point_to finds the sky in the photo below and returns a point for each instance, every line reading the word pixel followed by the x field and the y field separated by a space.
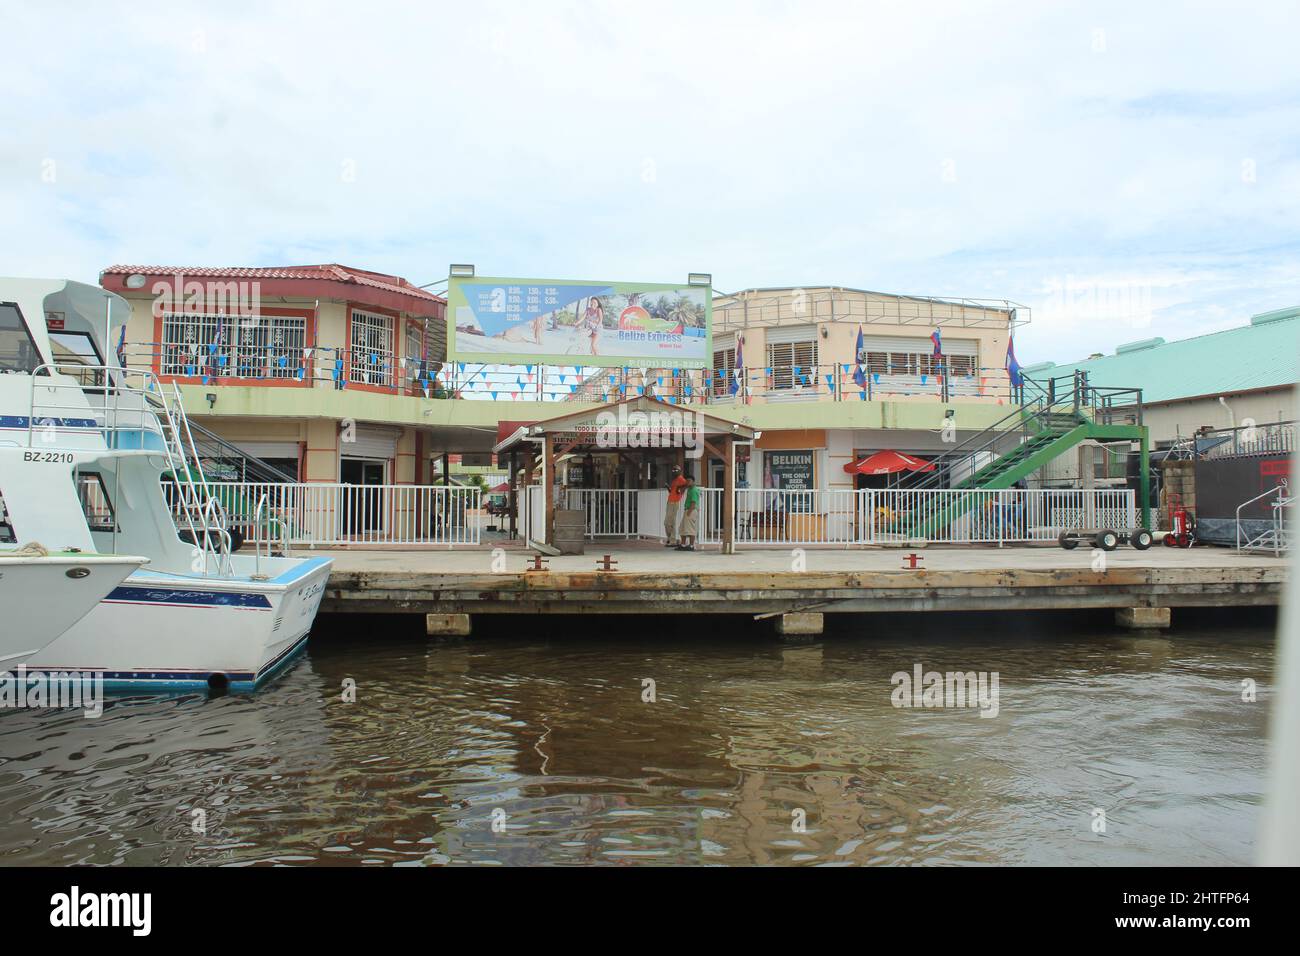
pixel 1123 170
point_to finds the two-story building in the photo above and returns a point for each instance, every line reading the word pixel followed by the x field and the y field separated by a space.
pixel 830 376
pixel 313 369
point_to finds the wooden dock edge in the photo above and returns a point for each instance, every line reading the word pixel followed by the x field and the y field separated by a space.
pixel 764 592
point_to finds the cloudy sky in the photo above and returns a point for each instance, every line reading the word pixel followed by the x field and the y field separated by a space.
pixel 1124 170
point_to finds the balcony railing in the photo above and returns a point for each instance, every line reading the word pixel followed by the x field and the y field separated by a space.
pixel 351 367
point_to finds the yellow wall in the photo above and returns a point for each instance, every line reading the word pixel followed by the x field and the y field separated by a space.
pixel 839 313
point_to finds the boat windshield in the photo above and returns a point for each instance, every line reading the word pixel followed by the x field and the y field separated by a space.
pixel 18 352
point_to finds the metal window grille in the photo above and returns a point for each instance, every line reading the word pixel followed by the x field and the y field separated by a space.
pixel 258 346
pixel 372 348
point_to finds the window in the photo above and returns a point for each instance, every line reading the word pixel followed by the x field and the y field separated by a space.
pixel 783 358
pixel 257 346
pixel 6 525
pixel 70 349
pixel 915 356
pixel 94 500
pixel 17 349
pixel 724 368
pixel 961 365
pixel 372 348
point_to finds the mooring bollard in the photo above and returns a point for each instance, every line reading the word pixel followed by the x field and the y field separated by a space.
pixel 539 564
pixel 607 563
pixel 912 560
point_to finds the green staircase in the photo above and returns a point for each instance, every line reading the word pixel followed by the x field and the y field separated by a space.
pixel 1054 420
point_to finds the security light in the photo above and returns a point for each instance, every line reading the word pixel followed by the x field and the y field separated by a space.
pixel 212 399
pixel 700 278
pixel 135 281
pixel 461 271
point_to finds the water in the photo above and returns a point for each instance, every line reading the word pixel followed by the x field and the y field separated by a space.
pixel 550 736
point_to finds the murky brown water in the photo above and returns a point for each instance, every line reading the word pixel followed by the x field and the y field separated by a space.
pixel 551 736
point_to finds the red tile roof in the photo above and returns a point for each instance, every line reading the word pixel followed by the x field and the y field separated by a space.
pixel 329 272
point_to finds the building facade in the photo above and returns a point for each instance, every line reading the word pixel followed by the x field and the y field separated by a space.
pixel 832 375
pixel 292 365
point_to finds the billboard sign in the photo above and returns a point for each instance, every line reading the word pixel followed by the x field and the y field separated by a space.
pixel 565 322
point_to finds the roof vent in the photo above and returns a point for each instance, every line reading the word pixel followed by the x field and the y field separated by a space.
pixel 1139 346
pixel 1095 355
pixel 1277 315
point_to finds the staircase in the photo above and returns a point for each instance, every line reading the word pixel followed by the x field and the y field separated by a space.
pixel 1057 433
pixel 208 444
pixel 1277 537
pixel 1054 417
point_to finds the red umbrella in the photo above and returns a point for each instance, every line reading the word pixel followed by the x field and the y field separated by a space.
pixel 887 462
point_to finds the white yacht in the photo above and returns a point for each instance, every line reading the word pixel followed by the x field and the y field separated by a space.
pixel 43 594
pixel 99 458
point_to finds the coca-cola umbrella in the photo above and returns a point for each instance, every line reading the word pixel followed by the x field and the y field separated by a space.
pixel 888 462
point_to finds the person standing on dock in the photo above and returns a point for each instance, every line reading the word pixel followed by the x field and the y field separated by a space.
pixel 676 488
pixel 690 516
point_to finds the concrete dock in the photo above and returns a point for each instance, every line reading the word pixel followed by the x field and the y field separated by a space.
pixel 655 580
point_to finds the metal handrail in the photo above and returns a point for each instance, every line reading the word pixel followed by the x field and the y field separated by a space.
pixel 155 414
pixel 263 508
pixel 989 437
pixel 1282 502
pixel 1046 399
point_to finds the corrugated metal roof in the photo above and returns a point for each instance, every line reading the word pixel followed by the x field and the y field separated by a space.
pixel 1265 354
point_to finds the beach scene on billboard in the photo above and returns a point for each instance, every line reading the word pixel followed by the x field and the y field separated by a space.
pixel 573 323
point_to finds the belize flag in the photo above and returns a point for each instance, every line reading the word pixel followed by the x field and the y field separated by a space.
pixel 734 387
pixel 1011 365
pixel 859 375
pixel 938 342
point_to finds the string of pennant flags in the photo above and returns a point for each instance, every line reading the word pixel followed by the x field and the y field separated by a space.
pixel 215 360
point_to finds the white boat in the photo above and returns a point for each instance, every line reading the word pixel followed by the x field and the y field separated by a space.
pixel 42 595
pixel 100 458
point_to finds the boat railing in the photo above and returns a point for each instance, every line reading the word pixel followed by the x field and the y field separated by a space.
pixel 263 518
pixel 122 403
pixel 131 410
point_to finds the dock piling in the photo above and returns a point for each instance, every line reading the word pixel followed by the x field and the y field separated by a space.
pixel 1142 618
pixel 800 624
pixel 447 625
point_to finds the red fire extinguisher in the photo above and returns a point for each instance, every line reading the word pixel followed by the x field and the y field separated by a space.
pixel 1182 532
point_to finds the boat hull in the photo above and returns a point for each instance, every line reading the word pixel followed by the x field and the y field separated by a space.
pixel 162 632
pixel 43 597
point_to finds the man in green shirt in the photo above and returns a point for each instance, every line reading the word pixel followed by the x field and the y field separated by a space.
pixel 690 516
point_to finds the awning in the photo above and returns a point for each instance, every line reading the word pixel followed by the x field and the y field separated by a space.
pixel 506 428
pixel 887 462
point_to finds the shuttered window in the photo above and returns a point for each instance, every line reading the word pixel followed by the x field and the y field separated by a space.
pixel 724 367
pixel 792 361
pixel 890 355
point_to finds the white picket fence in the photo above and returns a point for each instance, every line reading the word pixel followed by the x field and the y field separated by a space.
pixel 307 514
pixel 778 518
pixel 335 513
pixel 942 516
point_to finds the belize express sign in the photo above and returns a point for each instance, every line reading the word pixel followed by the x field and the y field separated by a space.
pixel 564 322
